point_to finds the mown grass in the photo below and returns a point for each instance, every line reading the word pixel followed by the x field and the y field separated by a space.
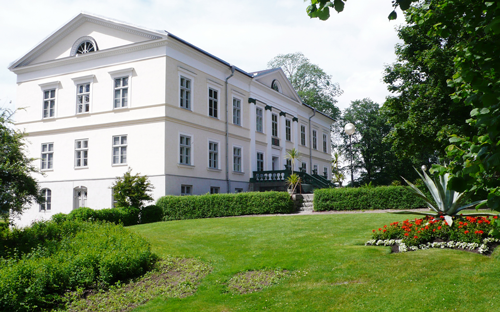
pixel 332 269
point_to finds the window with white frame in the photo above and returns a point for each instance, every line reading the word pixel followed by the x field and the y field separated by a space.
pixel 81 153
pixel 274 119
pixel 237 159
pixel 47 156
pixel 259 119
pixel 186 190
pixel 47 200
pixel 119 149
pixel 213 155
pixel 325 172
pixel 304 167
pixel 260 161
pixel 185 150
pixel 121 92
pixel 237 111
pixel 214 190
pixel 49 103
pixel 315 169
pixel 315 139
pixel 213 103
pixel 302 135
pixel 83 98
pixel 288 129
pixel 185 89
pixel 325 149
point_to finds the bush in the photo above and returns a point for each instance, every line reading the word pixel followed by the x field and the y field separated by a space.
pixel 125 216
pixel 66 257
pixel 151 214
pixel 384 197
pixel 221 205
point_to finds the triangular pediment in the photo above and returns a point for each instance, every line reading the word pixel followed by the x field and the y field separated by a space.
pixel 106 33
pixel 276 75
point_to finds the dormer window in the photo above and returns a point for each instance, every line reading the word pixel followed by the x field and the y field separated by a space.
pixel 84 45
pixel 275 85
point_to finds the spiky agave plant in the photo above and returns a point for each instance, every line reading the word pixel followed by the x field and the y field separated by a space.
pixel 446 202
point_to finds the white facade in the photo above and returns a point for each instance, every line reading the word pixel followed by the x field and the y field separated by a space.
pixel 150 101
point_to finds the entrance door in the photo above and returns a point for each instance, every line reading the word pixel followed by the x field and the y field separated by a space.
pixel 79 197
pixel 276 163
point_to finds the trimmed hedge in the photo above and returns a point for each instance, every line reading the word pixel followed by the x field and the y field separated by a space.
pixel 222 205
pixel 384 197
pixel 66 257
pixel 125 216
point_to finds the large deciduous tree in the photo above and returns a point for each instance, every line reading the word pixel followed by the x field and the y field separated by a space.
pixel 18 189
pixel 476 159
pixel 313 85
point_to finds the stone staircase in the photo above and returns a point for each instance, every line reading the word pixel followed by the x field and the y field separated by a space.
pixel 307 202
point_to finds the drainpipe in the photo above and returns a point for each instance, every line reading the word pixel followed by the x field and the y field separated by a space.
pixel 227 133
pixel 310 141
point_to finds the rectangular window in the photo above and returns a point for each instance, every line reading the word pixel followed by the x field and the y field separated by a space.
pixel 258 119
pixel 119 149
pixel 186 190
pixel 260 161
pixel 121 92
pixel 47 200
pixel 213 103
pixel 325 172
pixel 238 190
pixel 303 135
pixel 213 155
pixel 49 103
pixel 324 143
pixel 81 153
pixel 47 156
pixel 274 118
pixel 315 169
pixel 185 150
pixel 185 96
pixel 236 112
pixel 83 98
pixel 237 159
pixel 288 129
pixel 315 140
pixel 304 167
pixel 214 190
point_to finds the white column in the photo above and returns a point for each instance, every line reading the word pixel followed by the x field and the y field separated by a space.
pixel 253 151
pixel 282 135
pixel 295 138
pixel 269 138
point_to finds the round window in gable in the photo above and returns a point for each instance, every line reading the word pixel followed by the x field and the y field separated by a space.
pixel 84 45
pixel 275 85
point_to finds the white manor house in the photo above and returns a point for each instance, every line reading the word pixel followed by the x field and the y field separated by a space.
pixel 101 96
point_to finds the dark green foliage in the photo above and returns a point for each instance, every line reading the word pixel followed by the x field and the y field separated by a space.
pixel 132 190
pixel 221 205
pixel 18 189
pixel 66 256
pixel 151 214
pixel 366 198
pixel 125 216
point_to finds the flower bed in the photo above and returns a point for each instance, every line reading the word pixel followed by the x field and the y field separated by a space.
pixel 467 233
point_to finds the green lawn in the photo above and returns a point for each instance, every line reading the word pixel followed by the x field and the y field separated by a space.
pixel 337 272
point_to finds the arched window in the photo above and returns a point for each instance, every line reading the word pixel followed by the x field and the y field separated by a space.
pixel 84 45
pixel 79 197
pixel 275 85
pixel 47 200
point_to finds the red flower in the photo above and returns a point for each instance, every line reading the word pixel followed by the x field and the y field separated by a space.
pixel 466 232
pixel 379 229
pixel 415 236
pixel 385 231
pixel 433 230
pixel 373 231
pixel 460 223
pixel 495 217
pixel 439 227
pixel 385 226
pixel 406 234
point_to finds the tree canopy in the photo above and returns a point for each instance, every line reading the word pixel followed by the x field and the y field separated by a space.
pixel 132 190
pixel 18 189
pixel 313 85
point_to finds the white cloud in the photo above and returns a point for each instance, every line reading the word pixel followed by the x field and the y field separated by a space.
pixel 352 46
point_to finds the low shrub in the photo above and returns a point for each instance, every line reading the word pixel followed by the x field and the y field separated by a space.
pixel 125 216
pixel 65 257
pixel 221 205
pixel 151 214
pixel 384 197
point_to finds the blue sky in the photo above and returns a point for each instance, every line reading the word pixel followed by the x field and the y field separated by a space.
pixel 353 47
